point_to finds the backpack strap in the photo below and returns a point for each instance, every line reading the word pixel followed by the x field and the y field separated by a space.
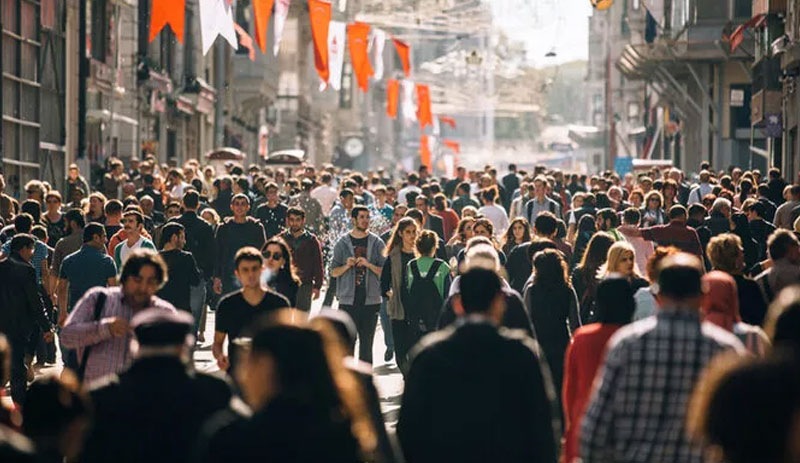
pixel 415 270
pixel 99 304
pixel 433 270
pixel 529 210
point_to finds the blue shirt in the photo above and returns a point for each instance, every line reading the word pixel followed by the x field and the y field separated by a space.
pixel 84 269
pixel 39 256
pixel 386 211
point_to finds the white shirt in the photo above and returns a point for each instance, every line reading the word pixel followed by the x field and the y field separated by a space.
pixel 642 249
pixel 401 195
pixel 124 250
pixel 326 195
pixel 176 192
pixel 497 215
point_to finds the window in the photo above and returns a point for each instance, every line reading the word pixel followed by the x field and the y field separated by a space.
pixel 98 29
pixel 243 19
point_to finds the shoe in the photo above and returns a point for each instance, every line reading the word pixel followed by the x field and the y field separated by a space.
pixel 389 355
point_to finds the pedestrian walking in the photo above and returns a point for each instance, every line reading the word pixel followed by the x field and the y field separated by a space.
pixel 133 225
pixel 356 264
pixel 272 214
pixel 307 257
pixel 232 235
pixel 182 270
pixel 281 273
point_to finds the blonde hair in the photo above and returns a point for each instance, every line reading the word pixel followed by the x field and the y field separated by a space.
pixel 615 255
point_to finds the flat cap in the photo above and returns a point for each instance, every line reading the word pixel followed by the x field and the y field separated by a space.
pixel 158 327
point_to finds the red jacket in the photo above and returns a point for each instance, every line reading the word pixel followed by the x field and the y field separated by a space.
pixel 583 359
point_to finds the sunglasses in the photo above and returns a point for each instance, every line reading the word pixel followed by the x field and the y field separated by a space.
pixel 30 192
pixel 274 256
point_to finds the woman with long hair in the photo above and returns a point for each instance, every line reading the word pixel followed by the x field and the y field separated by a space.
pixel 280 269
pixel 726 254
pixel 653 210
pixel 517 233
pixel 553 307
pixel 584 277
pixel 586 230
pixel 399 252
pixel 459 240
pixel 615 306
pixel 621 260
pixel 298 394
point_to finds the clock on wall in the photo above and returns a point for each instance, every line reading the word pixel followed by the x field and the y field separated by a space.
pixel 354 147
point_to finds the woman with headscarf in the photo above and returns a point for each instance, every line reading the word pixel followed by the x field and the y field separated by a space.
pixel 615 306
pixel 721 307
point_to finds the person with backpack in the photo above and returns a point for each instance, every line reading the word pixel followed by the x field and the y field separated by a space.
pixel 428 285
pixel 540 202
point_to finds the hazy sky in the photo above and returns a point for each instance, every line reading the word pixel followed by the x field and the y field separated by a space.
pixel 544 25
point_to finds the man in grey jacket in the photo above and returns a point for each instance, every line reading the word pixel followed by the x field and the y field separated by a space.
pixel 356 265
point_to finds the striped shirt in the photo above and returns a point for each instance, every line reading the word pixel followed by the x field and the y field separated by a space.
pixel 638 410
pixel 109 354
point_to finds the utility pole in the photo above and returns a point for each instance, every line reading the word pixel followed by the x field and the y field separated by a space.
pixel 83 76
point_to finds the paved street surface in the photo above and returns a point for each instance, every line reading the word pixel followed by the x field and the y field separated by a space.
pixel 388 379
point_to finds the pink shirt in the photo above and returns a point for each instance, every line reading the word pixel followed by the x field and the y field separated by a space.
pixel 109 355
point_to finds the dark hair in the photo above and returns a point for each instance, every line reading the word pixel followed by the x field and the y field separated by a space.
pixel 680 277
pixel 92 229
pixel 489 194
pixel 23 223
pixel 75 215
pixel 782 323
pixel 608 214
pixel 40 232
pixel 288 269
pixel 546 223
pixel 596 253
pixel 169 230
pixel 550 269
pixel 779 243
pixel 465 187
pixel 242 183
pixel 113 206
pixel 615 302
pixel 21 241
pixel 247 253
pixel 240 196
pixel 396 240
pixel 479 287
pixel 423 198
pixel 51 405
pixel 296 211
pixel 427 242
pixel 415 214
pixel 356 209
pixel 139 258
pixel 697 209
pixel 191 199
pixel 346 192
pixel 134 213
pixel 632 216
pixel 148 179
pixel 677 212
pixel 32 207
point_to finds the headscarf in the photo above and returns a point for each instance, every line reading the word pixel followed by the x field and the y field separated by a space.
pixel 721 302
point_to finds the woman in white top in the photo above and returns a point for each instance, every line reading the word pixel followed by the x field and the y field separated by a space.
pixel 496 214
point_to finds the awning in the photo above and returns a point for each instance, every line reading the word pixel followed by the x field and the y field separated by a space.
pixel 104 115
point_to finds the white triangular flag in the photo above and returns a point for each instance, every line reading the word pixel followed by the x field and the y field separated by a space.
pixel 409 108
pixel 378 42
pixel 336 49
pixel 281 13
pixel 216 18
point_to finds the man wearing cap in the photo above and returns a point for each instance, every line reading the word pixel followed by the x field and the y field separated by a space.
pixel 154 411
pixel 108 334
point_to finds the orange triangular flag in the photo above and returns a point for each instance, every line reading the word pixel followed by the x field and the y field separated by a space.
pixel 404 51
pixel 319 12
pixel 424 114
pixel 453 145
pixel 448 120
pixel 392 97
pixel 167 12
pixel 425 155
pixel 358 38
pixel 245 41
pixel 262 10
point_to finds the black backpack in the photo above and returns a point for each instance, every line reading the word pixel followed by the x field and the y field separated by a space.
pixel 424 303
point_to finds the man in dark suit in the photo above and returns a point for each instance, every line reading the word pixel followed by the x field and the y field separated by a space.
pixel 431 222
pixel 21 308
pixel 476 393
pixel 510 184
pixel 154 411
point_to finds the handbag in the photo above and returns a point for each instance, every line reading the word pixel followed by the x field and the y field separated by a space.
pixel 98 310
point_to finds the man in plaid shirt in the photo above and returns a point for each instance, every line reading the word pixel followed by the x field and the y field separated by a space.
pixel 638 410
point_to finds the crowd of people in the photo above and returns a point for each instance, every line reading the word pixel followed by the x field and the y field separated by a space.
pixel 535 316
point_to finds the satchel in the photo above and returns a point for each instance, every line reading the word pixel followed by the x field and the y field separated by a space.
pixel 98 310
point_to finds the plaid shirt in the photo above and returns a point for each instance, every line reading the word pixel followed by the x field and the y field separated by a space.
pixel 638 409
pixel 109 355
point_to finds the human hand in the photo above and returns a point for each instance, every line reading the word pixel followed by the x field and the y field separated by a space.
pixel 217 286
pixel 315 293
pixel 362 262
pixel 118 326
pixel 48 336
pixel 223 363
pixel 351 262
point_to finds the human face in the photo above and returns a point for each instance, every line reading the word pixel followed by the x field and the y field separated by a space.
pixel 131 226
pixel 481 230
pixel 73 174
pixel 208 217
pixel 173 211
pixel 275 259
pixel 348 201
pixel 468 231
pixel 362 221
pixel 249 273
pixel 653 203
pixel 409 236
pixel 538 189
pixel 26 253
pixel 140 289
pixel 421 204
pixel 180 240
pixel 295 223
pixel 95 206
pixel 147 206
pixel 240 208
pixel 625 264
pixel 272 194
pixel 519 232
pixel 53 204
pixel 636 200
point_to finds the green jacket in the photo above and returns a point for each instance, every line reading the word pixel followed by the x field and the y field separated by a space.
pixel 441 280
pixel 146 244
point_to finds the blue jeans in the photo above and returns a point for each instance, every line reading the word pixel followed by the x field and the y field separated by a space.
pixel 386 326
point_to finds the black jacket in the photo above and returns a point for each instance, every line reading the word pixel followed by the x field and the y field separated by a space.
pixel 153 413
pixel 478 394
pixel 515 317
pixel 21 307
pixel 436 225
pixel 199 241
